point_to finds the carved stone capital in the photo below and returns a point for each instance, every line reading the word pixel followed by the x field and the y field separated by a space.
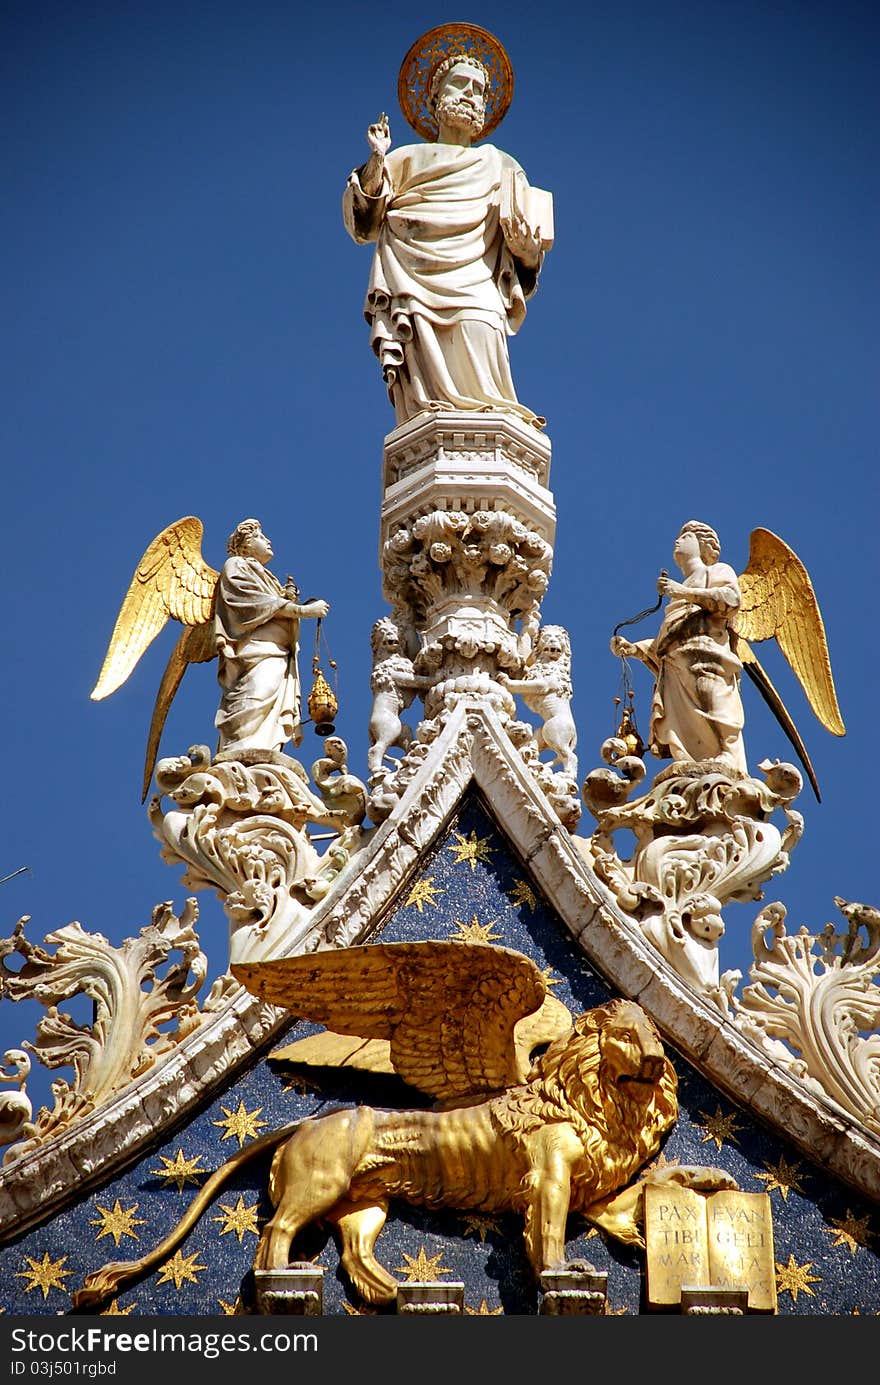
pixel 466 541
pixel 472 462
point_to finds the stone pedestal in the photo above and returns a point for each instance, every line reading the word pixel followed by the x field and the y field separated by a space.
pixel 466 546
pixel 297 1290
pixel 431 1297
pixel 467 462
pixel 574 1291
pixel 698 1301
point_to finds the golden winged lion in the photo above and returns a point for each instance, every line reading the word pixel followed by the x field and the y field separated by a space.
pixel 566 1129
pixel 711 621
pixel 240 615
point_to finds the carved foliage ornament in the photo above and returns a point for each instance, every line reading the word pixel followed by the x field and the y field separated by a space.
pixel 814 1005
pixel 139 1015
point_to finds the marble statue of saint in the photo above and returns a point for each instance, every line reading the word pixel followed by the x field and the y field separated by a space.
pixel 458 251
pixel 256 625
pixel 711 619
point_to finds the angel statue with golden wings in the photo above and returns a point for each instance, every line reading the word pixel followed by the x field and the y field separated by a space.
pixel 242 615
pixel 703 645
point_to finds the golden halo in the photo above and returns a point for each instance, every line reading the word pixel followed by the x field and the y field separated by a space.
pixel 421 62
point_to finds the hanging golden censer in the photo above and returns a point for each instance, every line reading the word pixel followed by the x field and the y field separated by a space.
pixel 323 703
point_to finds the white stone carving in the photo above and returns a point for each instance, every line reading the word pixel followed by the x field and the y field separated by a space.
pixel 454 262
pixel 15 1107
pixel 464 582
pixel 813 1005
pixel 393 683
pixel 257 632
pixel 697 711
pixel 131 1001
pixel 482 461
pixel 242 616
pixel 238 825
pixel 703 839
pixel 545 688
pixel 704 643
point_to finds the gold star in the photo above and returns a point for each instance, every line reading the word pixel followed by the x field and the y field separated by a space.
pixel 114 1311
pixel 238 1219
pixel 470 849
pixel 423 892
pixel 852 1231
pixel 181 1170
pixel 795 1279
pixel 117 1221
pixel 44 1274
pixel 719 1127
pixel 784 1176
pixel 180 1268
pixel 614 1312
pixel 589 1230
pixel 474 932
pixel 523 893
pixel 422 1269
pixel 229 1309
pixel 549 979
pixel 661 1162
pixel 484 1311
pixel 241 1124
pixel 480 1226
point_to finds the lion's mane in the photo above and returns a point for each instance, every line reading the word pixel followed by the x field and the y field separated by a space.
pixel 619 1128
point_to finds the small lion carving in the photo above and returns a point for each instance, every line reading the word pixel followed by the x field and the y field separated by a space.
pixel 571 1137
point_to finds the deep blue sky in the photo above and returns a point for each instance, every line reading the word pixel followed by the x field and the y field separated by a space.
pixel 183 334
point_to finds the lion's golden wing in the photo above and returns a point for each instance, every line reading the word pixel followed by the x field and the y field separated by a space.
pixel 172 580
pixel 448 1010
pixel 778 602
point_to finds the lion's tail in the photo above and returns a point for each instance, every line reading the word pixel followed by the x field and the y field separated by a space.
pixel 104 1283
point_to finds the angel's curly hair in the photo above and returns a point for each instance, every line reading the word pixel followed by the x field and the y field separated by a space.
pixel 238 539
pixel 706 537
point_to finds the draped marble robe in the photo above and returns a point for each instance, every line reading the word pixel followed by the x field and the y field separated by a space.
pixel 697 711
pixel 260 703
pixel 445 292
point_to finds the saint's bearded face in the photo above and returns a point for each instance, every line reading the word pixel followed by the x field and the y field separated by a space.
pixel 461 100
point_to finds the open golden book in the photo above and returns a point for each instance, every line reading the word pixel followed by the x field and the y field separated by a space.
pixel 534 205
pixel 721 1240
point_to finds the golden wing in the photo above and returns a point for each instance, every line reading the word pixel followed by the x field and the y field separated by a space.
pixel 448 1010
pixel 172 580
pixel 331 1050
pixel 778 602
pixel 196 645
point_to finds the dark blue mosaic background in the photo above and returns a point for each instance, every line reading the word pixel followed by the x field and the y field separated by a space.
pixel 825 1235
